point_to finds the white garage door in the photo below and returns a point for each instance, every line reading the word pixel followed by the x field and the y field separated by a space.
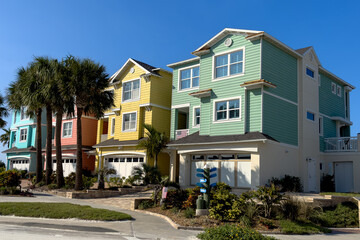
pixel 22 164
pixel 344 178
pixel 124 165
pixel 69 166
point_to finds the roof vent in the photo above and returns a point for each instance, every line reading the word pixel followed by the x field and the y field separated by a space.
pixel 228 42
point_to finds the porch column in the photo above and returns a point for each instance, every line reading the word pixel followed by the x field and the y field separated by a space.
pixel 184 175
pixel 173 169
pixel 255 171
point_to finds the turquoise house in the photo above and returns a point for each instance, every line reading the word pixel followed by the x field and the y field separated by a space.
pixel 255 108
pixel 21 154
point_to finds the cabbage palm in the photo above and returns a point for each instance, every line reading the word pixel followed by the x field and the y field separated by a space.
pixel 5 137
pixel 3 113
pixel 87 82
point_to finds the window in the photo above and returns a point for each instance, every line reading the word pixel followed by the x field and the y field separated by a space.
pixel 131 90
pixel 227 110
pixel 196 117
pixel 129 122
pixel 310 116
pixel 338 91
pixel 333 88
pixel 23 134
pixel 321 126
pixel 189 78
pixel 310 72
pixel 112 126
pixel 67 129
pixel 23 115
pixel 229 64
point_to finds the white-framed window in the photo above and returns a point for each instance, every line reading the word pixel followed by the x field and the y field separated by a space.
pixel 229 64
pixel 129 121
pixel 333 88
pixel 338 91
pixel 310 116
pixel 189 78
pixel 112 132
pixel 23 115
pixel 227 110
pixel 23 134
pixel 310 72
pixel 321 126
pixel 131 90
pixel 196 120
pixel 67 129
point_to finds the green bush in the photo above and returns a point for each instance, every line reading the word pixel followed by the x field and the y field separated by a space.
pixel 251 208
pixel 146 204
pixel 189 213
pixel 227 231
pixel 193 195
pixel 269 196
pixel 290 208
pixel 343 215
pixel 327 183
pixel 88 182
pixel 115 182
pixel 221 203
pixel 70 181
pixel 10 178
pixel 52 186
pixel 9 190
pixel 288 184
pixel 175 210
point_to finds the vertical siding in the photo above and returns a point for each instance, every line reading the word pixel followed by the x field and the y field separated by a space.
pixel 279 68
pixel 280 120
pixel 253 110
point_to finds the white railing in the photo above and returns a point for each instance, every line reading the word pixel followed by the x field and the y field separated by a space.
pixel 104 137
pixel 181 133
pixel 341 144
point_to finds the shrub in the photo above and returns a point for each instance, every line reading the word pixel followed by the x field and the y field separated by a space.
pixel 176 198
pixel 115 182
pixel 147 174
pixel 70 180
pixel 88 182
pixel 189 213
pixel 251 208
pixel 222 202
pixel 290 208
pixel 193 195
pixel 9 190
pixel 327 183
pixel 146 204
pixel 175 210
pixel 52 186
pixel 288 184
pixel 269 196
pixel 10 178
pixel 231 232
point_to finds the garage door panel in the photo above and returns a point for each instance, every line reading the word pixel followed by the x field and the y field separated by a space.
pixel 228 173
pixel 244 174
pixel 194 166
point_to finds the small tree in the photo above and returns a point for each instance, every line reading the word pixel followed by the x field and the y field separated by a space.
pixel 269 196
pixel 147 174
pixel 103 173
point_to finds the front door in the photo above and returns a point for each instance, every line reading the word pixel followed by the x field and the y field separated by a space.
pixel 311 175
pixel 344 178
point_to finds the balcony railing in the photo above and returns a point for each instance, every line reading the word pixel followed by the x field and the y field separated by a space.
pixel 341 144
pixel 181 133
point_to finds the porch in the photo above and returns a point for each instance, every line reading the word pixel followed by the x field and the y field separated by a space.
pixel 342 144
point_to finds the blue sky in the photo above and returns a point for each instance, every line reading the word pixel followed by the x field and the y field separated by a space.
pixel 163 32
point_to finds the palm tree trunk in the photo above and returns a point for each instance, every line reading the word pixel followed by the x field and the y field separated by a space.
pixel 78 182
pixel 39 162
pixel 155 163
pixel 48 144
pixel 59 168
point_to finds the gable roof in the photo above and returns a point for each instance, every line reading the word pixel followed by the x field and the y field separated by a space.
pixel 303 50
pixel 144 66
pixel 197 139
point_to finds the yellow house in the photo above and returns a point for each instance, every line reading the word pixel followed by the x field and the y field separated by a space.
pixel 142 95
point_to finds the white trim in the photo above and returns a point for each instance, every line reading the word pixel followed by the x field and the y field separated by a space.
pixel 171 65
pixel 26 117
pixel 281 98
pixel 66 155
pixel 227 110
pixel 62 132
pixel 335 77
pixel 337 90
pixel 27 134
pixel 191 77
pixel 19 156
pixel 262 108
pixel 333 85
pixel 185 105
pixel 122 122
pixel 89 117
pixel 215 143
pixel 210 150
pixel 112 128
pixel 120 153
pixel 194 117
pixel 131 99
pixel 116 74
pixel 228 52
pixel 154 105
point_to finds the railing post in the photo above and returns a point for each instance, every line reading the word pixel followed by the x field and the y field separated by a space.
pixel 358 142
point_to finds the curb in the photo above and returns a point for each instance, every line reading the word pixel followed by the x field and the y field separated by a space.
pixel 172 223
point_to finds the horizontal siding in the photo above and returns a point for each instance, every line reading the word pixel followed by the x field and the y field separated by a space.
pixel 161 88
pixel 253 110
pixel 328 131
pixel 280 120
pixel 279 68
pixel 161 120
pixel 330 104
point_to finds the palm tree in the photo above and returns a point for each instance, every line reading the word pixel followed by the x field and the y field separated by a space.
pixel 88 81
pixel 5 138
pixel 24 92
pixel 154 144
pixel 3 113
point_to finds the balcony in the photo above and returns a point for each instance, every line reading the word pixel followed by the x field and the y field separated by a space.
pixel 181 133
pixel 341 144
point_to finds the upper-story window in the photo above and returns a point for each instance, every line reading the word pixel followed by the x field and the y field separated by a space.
pixel 333 88
pixel 189 78
pixel 112 127
pixel 67 129
pixel 310 116
pixel 131 90
pixel 196 116
pixel 129 121
pixel 338 91
pixel 310 72
pixel 229 64
pixel 23 115
pixel 23 134
pixel 227 110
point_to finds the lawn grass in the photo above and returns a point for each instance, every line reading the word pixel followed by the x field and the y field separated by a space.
pixel 290 227
pixel 341 194
pixel 60 211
